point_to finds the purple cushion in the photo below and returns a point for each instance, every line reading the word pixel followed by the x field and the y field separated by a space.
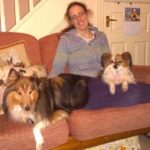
pixel 100 96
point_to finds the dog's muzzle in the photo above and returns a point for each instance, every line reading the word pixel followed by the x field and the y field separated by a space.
pixel 27 108
pixel 115 66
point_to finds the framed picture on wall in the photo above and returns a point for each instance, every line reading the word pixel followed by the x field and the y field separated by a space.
pixel 128 1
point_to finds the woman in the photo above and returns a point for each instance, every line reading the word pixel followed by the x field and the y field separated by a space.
pixel 81 47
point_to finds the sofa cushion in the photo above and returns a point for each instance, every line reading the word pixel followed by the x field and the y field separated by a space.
pixel 89 124
pixel 20 136
pixel 14 52
pixel 31 44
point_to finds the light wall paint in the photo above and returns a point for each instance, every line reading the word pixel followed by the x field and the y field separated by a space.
pixel 48 17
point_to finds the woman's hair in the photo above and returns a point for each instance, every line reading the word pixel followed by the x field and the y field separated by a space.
pixel 67 16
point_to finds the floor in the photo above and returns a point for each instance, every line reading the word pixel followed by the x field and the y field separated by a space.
pixel 144 142
pixel 141 141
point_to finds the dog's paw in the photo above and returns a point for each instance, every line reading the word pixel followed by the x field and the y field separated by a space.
pixel 124 89
pixel 39 147
pixel 124 86
pixel 112 89
pixel 59 115
pixel 39 139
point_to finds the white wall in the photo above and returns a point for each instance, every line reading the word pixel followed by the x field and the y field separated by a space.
pixel 48 17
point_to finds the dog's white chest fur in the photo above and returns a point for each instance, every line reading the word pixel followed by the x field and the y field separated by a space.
pixel 117 76
pixel 121 75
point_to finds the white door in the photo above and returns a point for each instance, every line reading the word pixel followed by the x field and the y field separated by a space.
pixel 138 44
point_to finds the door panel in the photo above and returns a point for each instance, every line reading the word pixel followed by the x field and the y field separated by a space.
pixel 138 44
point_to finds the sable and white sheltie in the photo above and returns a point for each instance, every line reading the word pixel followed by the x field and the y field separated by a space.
pixel 117 70
pixel 43 101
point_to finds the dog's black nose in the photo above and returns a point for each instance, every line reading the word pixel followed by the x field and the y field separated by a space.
pixel 27 108
pixel 115 66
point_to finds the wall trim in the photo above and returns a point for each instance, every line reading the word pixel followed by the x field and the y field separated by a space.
pixel 27 16
pixel 2 18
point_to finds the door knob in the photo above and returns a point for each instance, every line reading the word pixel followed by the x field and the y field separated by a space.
pixel 108 19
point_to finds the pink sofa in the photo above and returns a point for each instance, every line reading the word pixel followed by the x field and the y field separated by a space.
pixel 85 128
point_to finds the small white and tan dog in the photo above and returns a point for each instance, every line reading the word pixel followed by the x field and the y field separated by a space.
pixel 117 70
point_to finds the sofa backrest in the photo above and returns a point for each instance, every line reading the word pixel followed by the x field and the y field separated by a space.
pixel 43 51
pixel 48 45
pixel 141 73
pixel 30 44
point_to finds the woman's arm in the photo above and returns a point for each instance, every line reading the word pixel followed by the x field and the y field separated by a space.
pixel 60 60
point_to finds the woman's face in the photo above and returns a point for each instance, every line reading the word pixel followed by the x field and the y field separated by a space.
pixel 78 18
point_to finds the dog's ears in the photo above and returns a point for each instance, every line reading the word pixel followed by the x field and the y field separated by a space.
pixel 104 59
pixel 12 77
pixel 127 56
pixel 13 74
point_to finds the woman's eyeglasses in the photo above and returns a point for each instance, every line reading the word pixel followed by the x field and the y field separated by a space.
pixel 79 15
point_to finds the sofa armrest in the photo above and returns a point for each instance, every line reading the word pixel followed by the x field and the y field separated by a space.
pixel 31 45
pixel 141 73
